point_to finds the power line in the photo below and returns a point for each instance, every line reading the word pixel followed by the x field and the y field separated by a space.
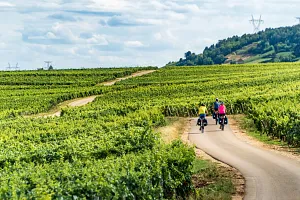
pixel 9 67
pixel 17 67
pixel 48 63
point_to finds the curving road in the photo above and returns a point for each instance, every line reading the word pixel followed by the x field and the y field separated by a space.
pixel 269 176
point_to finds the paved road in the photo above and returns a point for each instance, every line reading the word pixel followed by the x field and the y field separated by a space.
pixel 269 176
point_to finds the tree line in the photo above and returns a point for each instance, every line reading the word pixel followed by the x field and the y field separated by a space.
pixel 273 40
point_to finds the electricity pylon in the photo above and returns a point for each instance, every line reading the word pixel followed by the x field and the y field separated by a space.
pixel 298 19
pixel 256 23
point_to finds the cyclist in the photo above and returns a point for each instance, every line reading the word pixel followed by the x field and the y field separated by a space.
pixel 216 107
pixel 202 111
pixel 222 111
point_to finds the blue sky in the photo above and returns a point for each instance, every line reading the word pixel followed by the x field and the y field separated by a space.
pixel 114 33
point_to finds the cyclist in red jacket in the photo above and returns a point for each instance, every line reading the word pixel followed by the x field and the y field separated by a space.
pixel 222 111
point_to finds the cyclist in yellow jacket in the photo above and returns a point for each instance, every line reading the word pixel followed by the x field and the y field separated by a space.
pixel 202 111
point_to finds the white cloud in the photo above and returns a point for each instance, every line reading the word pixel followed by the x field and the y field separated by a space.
pixel 111 5
pixel 51 35
pixel 134 44
pixel 2 45
pixel 97 39
pixel 188 8
pixel 6 4
pixel 158 36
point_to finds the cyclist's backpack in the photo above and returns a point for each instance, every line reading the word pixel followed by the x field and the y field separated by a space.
pixel 220 120
pixel 226 120
pixel 205 122
pixel 199 122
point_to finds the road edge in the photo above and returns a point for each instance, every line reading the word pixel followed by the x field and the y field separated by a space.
pixel 238 179
pixel 242 135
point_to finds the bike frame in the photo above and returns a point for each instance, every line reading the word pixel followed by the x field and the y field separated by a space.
pixel 202 125
pixel 222 122
pixel 217 116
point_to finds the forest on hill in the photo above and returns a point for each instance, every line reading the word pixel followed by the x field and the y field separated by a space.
pixel 271 45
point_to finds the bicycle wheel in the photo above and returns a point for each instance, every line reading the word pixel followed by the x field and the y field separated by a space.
pixel 222 127
pixel 202 129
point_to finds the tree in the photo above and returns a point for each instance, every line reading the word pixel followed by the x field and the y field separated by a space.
pixel 188 54
pixel 208 61
pixel 297 50
pixel 219 59
pixel 190 63
pixel 199 60
pixel 271 41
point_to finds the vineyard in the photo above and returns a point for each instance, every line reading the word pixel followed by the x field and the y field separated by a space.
pixel 31 92
pixel 267 93
pixel 108 149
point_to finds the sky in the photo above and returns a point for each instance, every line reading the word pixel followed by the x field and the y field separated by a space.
pixel 120 33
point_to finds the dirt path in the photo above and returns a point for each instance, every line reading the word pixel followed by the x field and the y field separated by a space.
pixel 86 100
pixel 268 175
pixel 140 73
pixel 72 103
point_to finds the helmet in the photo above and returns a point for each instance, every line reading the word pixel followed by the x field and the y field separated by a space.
pixel 202 104
pixel 217 99
pixel 222 103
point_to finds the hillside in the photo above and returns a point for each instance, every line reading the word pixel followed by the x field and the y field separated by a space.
pixel 272 45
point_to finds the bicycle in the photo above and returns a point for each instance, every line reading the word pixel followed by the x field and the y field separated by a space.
pixel 222 121
pixel 202 122
pixel 215 116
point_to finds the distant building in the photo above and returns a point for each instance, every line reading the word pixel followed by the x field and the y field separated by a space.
pixel 240 61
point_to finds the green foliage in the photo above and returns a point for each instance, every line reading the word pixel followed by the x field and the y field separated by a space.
pixel 267 93
pixel 297 50
pixel 107 149
pixel 210 182
pixel 158 173
pixel 31 92
pixel 284 39
pixel 110 155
